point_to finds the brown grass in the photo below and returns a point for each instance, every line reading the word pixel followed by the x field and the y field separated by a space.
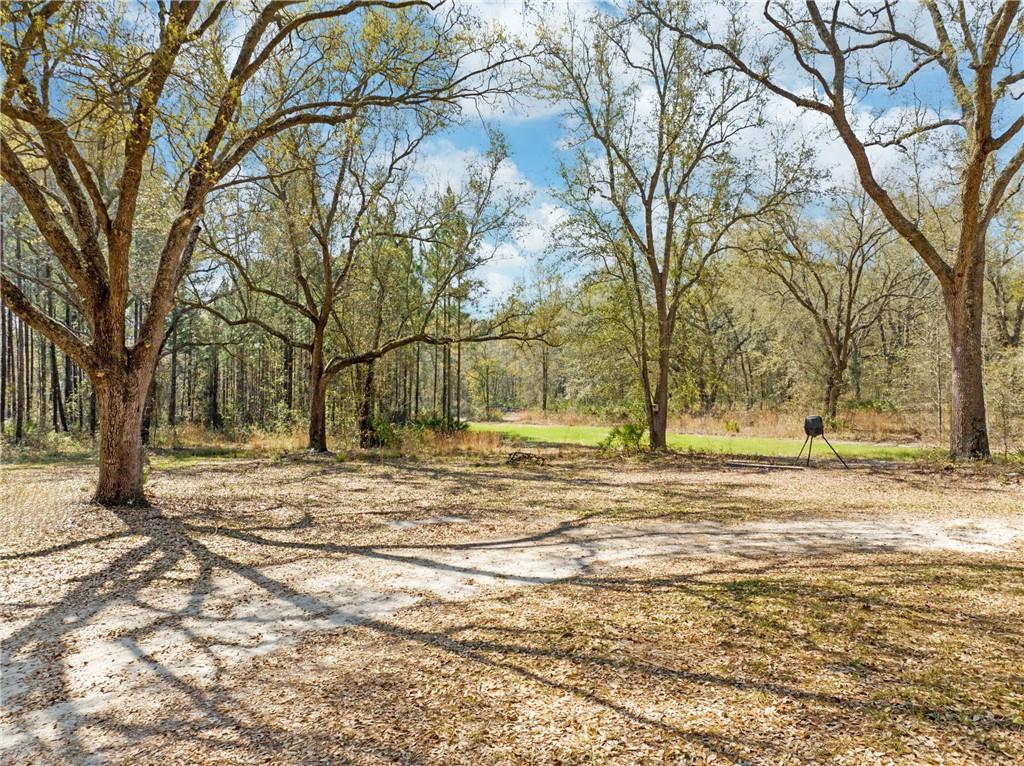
pixel 433 443
pixel 195 436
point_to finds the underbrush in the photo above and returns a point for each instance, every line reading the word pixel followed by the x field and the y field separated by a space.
pixel 424 438
pixel 422 442
pixel 201 441
pixel 627 437
pixel 38 447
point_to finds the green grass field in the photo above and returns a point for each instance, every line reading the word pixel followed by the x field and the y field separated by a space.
pixel 591 436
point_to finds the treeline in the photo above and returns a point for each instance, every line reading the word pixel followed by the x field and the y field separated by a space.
pixel 747 345
pixel 237 384
pixel 216 213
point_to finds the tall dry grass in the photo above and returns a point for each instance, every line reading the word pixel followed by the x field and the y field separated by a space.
pixel 194 436
pixel 918 428
pixel 426 443
pixel 862 425
pixel 410 441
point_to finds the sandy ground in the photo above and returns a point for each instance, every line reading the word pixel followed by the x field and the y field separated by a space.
pixel 107 615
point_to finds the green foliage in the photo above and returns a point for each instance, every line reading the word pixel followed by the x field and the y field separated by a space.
pixel 385 432
pixel 627 437
pixel 45 443
pixel 438 424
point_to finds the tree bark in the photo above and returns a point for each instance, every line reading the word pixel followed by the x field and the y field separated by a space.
pixel 317 395
pixel 544 378
pixel 120 404
pixel 657 411
pixel 833 390
pixel 968 428
pixel 317 415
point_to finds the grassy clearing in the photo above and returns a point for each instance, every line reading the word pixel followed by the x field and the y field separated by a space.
pixel 591 436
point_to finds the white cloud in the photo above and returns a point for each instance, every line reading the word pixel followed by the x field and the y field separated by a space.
pixel 520 23
pixel 505 255
pixel 540 224
pixel 498 284
pixel 441 163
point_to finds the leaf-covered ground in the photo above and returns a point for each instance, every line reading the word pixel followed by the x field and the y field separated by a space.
pixel 466 611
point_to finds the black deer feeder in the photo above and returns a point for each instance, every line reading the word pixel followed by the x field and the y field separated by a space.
pixel 815 426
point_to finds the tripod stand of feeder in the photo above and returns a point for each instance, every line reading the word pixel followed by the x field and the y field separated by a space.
pixel 814 425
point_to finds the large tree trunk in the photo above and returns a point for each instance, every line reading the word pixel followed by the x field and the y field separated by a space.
pixel 833 390
pixel 120 404
pixel 657 411
pixel 968 431
pixel 658 426
pixel 317 416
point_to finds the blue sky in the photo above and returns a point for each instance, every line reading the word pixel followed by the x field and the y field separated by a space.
pixel 533 142
pixel 534 134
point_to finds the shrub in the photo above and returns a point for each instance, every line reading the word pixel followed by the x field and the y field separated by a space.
pixel 437 423
pixel 385 433
pixel 627 437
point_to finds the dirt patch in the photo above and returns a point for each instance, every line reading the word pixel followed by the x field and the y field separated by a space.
pixel 153 615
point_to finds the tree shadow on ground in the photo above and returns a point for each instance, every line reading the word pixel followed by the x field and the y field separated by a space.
pixel 155 550
pixel 45 642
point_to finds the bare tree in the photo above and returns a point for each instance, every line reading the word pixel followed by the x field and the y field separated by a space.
pixel 852 54
pixel 344 293
pixel 656 186
pixel 99 104
pixel 843 272
pixel 719 331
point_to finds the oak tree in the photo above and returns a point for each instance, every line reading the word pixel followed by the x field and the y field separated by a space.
pixel 99 97
pixel 944 75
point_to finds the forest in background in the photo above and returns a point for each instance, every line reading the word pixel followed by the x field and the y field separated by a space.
pixel 754 353
pixel 704 271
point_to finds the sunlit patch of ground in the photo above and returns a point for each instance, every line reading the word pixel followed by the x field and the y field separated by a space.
pixel 467 611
